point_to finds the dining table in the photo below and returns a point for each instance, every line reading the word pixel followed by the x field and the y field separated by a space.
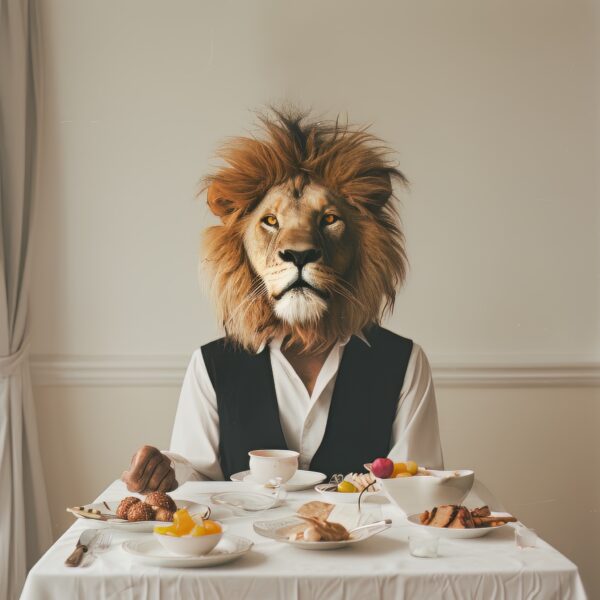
pixel 381 567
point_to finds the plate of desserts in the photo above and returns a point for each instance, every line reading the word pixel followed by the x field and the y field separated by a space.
pixel 348 489
pixel 142 513
pixel 459 522
pixel 322 526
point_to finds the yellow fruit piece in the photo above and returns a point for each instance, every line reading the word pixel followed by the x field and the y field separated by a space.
pixel 199 530
pixel 212 527
pixel 404 474
pixel 169 530
pixel 412 467
pixel 183 522
pixel 398 468
pixel 347 488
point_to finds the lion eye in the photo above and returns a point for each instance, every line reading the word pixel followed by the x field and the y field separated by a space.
pixel 330 219
pixel 270 220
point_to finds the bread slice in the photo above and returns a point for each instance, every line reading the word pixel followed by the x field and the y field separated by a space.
pixel 462 520
pixel 444 515
pixel 484 511
pixel 316 509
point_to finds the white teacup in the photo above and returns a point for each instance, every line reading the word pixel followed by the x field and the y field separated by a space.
pixel 268 464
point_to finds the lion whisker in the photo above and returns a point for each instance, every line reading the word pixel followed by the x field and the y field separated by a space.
pixel 255 292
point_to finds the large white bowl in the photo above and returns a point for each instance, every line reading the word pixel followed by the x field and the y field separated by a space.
pixel 189 545
pixel 423 492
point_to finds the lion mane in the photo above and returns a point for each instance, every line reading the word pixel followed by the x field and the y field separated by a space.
pixel 350 163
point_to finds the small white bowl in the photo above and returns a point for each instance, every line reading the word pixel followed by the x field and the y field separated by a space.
pixel 422 492
pixel 189 545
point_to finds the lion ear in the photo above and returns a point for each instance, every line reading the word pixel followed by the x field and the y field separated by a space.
pixel 218 203
pixel 372 189
pixel 381 188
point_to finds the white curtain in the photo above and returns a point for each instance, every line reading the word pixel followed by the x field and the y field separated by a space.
pixel 24 519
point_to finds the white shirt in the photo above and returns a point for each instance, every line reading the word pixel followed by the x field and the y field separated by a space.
pixel 194 448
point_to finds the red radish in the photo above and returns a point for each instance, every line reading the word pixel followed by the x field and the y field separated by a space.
pixel 382 467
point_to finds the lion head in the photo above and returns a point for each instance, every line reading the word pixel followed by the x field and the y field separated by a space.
pixel 309 246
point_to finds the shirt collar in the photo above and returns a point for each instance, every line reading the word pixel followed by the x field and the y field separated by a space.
pixel 275 343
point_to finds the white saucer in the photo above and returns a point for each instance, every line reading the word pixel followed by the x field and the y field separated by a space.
pixel 193 508
pixel 457 534
pixel 272 529
pixel 302 480
pixel 150 552
pixel 248 501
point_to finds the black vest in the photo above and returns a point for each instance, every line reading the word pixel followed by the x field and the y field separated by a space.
pixel 363 406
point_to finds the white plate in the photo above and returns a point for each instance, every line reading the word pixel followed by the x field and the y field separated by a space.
pixel 150 552
pixel 457 534
pixel 272 529
pixel 341 497
pixel 302 480
pixel 193 508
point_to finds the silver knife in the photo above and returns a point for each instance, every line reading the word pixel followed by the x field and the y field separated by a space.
pixel 84 542
pixel 88 513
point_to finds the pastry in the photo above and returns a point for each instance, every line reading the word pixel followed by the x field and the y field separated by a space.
pixel 125 505
pixel 326 531
pixel 316 527
pixel 140 511
pixel 311 509
pixel 160 500
pixel 361 481
pixel 164 514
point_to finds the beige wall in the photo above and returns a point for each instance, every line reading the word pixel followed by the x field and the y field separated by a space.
pixel 490 105
pixel 494 110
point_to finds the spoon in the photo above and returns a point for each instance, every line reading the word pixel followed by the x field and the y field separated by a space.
pixel 384 524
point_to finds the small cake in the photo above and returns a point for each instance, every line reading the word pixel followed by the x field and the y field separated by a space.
pixel 125 505
pixel 164 514
pixel 140 511
pixel 160 500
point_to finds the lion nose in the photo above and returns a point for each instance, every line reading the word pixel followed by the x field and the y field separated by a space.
pixel 300 257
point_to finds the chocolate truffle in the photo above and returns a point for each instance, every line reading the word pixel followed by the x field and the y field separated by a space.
pixel 125 505
pixel 164 514
pixel 160 500
pixel 140 511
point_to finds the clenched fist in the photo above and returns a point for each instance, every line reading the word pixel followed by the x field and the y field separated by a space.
pixel 149 471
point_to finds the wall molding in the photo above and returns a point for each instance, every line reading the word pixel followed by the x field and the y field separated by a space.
pixel 152 370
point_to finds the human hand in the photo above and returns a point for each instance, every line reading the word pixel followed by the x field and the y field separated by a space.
pixel 149 471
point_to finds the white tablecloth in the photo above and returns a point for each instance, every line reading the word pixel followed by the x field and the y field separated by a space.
pixel 381 567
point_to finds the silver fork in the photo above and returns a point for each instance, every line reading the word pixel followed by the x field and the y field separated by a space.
pixel 102 544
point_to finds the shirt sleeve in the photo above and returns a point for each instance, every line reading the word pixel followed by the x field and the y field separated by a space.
pixel 194 450
pixel 415 432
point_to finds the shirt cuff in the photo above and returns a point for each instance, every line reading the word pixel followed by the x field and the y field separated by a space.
pixel 184 470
